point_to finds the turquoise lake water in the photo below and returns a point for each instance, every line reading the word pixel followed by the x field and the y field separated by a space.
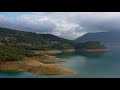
pixel 88 65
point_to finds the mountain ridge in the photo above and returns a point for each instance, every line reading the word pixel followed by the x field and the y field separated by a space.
pixel 32 40
pixel 104 37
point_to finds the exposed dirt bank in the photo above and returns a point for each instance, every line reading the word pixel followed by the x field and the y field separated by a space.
pixel 34 65
pixel 93 50
pixel 53 51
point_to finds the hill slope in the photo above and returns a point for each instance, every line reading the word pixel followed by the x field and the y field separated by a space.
pixel 104 37
pixel 30 40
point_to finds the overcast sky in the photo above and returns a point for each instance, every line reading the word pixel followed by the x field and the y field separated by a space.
pixel 69 25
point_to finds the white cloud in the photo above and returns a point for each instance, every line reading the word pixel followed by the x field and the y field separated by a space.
pixel 69 25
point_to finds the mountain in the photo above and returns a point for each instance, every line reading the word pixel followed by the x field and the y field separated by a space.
pixel 111 38
pixel 32 41
pixel 90 45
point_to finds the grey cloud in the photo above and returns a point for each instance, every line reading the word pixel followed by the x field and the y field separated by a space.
pixel 39 27
pixel 96 21
pixel 69 36
pixel 86 21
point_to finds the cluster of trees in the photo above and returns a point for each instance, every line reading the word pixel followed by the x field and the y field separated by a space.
pixel 16 44
pixel 33 41
pixel 90 45
pixel 8 53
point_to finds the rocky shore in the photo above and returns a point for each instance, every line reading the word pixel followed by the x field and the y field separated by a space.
pixel 37 65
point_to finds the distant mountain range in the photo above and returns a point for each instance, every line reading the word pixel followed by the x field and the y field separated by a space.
pixel 110 38
pixel 30 40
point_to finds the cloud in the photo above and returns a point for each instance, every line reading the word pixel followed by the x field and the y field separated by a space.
pixel 53 23
pixel 28 24
pixel 96 21
pixel 87 22
pixel 68 25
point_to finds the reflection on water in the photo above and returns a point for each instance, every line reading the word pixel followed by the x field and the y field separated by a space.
pixel 91 54
pixel 10 72
pixel 85 54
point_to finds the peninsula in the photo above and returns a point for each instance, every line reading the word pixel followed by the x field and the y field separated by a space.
pixel 90 46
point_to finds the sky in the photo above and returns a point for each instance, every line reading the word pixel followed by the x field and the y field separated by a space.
pixel 69 25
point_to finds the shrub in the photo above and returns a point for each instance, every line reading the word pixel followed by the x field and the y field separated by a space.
pixel 8 53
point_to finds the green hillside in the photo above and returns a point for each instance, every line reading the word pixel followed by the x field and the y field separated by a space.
pixel 32 41
pixel 8 53
pixel 90 45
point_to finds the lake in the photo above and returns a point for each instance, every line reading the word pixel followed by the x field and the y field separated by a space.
pixel 88 65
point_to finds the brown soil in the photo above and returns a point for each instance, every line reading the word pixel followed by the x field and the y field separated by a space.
pixel 46 58
pixel 47 52
pixel 34 65
pixel 68 50
pixel 53 51
pixel 94 50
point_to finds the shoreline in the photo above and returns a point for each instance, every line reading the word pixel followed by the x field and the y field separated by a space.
pixel 43 63
pixel 37 65
pixel 52 51
pixel 93 50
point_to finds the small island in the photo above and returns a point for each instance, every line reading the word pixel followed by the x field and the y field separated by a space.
pixel 90 46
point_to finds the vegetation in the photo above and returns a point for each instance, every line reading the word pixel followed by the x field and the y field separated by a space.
pixel 8 53
pixel 33 41
pixel 108 38
pixel 15 44
pixel 90 45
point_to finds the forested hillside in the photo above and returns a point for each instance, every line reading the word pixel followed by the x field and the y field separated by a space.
pixel 32 41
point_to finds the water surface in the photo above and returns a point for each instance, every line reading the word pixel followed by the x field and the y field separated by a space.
pixel 88 65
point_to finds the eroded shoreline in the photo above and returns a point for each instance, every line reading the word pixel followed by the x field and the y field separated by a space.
pixel 37 65
pixel 93 50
